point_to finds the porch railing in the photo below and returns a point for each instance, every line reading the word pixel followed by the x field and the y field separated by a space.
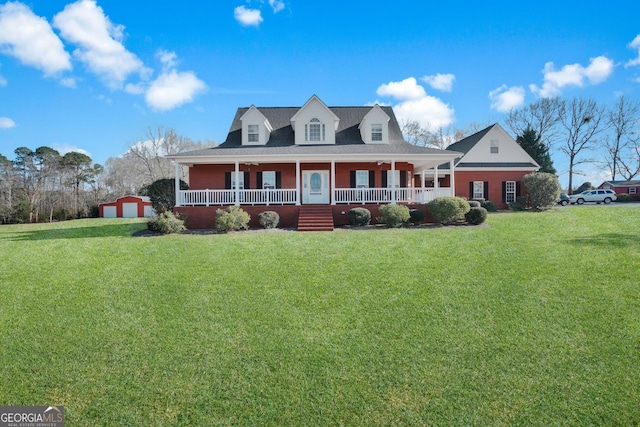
pixel 287 196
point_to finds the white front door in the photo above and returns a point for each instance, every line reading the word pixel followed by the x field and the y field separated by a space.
pixel 315 187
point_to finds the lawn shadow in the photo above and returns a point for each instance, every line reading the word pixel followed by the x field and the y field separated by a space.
pixel 620 240
pixel 106 230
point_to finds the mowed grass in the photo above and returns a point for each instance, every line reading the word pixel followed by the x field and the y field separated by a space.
pixel 533 319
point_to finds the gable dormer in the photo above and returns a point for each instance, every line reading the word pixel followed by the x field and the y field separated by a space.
pixel 256 129
pixel 496 146
pixel 314 123
pixel 374 128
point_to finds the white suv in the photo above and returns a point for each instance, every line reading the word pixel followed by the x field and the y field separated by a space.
pixel 597 196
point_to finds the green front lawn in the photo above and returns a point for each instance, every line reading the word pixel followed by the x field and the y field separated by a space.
pixel 533 319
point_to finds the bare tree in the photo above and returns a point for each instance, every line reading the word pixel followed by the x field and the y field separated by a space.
pixel 441 137
pixel 543 116
pixel 581 122
pixel 623 120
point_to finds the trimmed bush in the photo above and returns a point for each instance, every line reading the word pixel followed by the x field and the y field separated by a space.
pixel 474 204
pixel 476 216
pixel 232 219
pixel 543 190
pixel 489 206
pixel 167 223
pixel 394 215
pixel 359 217
pixel 269 219
pixel 448 210
pixel 624 198
pixel 162 193
pixel 416 216
pixel 519 205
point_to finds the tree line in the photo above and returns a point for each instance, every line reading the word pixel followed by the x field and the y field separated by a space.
pixel 43 185
pixel 581 130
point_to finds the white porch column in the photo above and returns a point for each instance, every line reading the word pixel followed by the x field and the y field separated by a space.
pixel 332 194
pixel 452 180
pixel 393 182
pixel 422 175
pixel 237 187
pixel 177 183
pixel 298 197
pixel 435 178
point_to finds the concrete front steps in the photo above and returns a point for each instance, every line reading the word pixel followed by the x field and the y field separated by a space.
pixel 315 218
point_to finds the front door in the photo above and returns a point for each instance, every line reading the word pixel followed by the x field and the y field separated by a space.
pixel 315 187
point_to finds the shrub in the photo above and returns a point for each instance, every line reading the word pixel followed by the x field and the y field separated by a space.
pixel 63 214
pixel 394 215
pixel 476 216
pixel 624 198
pixel 269 219
pixel 416 216
pixel 162 193
pixel 166 223
pixel 447 210
pixel 519 205
pixel 543 189
pixel 474 204
pixel 232 219
pixel 359 217
pixel 489 206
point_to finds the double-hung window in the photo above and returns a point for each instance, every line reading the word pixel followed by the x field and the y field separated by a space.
pixel 478 190
pixel 237 180
pixel 393 179
pixel 510 192
pixel 253 133
pixel 269 180
pixel 494 147
pixel 314 131
pixel 376 132
pixel 362 179
pixel 632 190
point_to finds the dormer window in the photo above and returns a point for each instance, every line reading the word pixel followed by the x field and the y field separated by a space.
pixel 314 131
pixel 253 133
pixel 494 147
pixel 376 132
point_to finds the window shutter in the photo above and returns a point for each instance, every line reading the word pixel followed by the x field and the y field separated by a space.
pixel 372 179
pixel 403 179
pixel 384 179
pixel 247 183
pixel 504 192
pixel 258 180
pixel 278 179
pixel 486 190
pixel 227 180
pixel 352 179
pixel 518 192
pixel 471 189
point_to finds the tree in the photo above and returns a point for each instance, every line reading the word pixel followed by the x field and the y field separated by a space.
pixel 163 194
pixel 581 121
pixel 542 188
pixel 533 145
pixel 80 170
pixel 584 186
pixel 622 146
pixel 543 116
pixel 7 175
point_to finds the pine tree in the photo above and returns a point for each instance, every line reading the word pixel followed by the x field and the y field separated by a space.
pixel 533 145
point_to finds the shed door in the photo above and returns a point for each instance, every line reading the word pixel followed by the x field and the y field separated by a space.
pixel 109 212
pixel 130 210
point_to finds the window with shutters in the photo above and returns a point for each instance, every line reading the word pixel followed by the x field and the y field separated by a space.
pixel 362 179
pixel 269 180
pixel 478 189
pixel 510 192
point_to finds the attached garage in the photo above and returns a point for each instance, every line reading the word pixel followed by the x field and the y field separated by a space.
pixel 127 207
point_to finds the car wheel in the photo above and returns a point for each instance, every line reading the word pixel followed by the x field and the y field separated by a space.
pixel 607 200
pixel 580 201
pixel 564 203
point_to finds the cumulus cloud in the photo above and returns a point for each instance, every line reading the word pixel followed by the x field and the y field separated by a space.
pixel 99 42
pixel 30 39
pixel 505 98
pixel 443 82
pixel 276 5
pixel 415 105
pixel 248 17
pixel 67 148
pixel 6 123
pixel 172 89
pixel 168 59
pixel 635 44
pixel 598 70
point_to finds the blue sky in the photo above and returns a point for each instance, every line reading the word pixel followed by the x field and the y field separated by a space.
pixel 95 75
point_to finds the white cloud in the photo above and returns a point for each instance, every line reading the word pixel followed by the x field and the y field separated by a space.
pixel 402 90
pixel 247 17
pixel 635 44
pixel 415 105
pixel 276 5
pixel 99 42
pixel 599 69
pixel 68 82
pixel 172 89
pixel 443 82
pixel 67 148
pixel 505 98
pixel 31 40
pixel 3 81
pixel 168 59
pixel 6 123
